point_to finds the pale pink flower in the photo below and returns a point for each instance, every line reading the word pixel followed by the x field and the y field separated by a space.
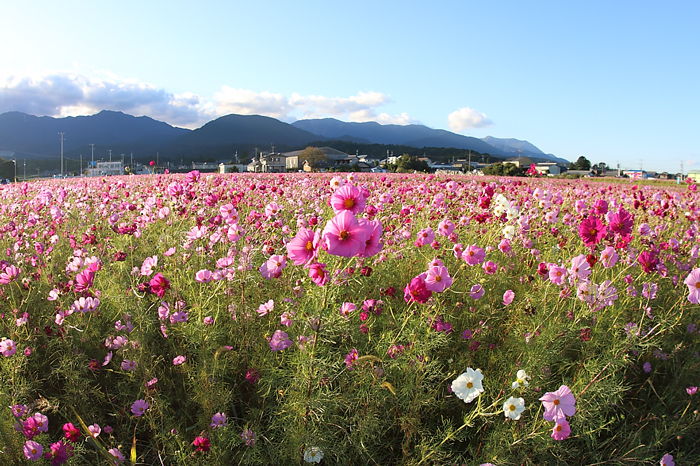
pixel 508 297
pixel 437 279
pixel 148 265
pixel 558 405
pixel 266 308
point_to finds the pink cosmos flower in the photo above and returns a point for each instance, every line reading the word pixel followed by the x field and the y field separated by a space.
pixel 490 267
pixel 373 244
pixel 148 265
pixel 178 360
pixel 33 450
pixel 559 404
pixel 477 291
pixel 139 407
pixel 344 236
pixel 348 198
pixel 346 309
pixel 667 460
pixel 84 280
pixel 437 279
pixel 42 422
pixel 693 282
pixel 203 276
pixel 648 261
pixel 280 341
pixel 608 257
pixel 557 274
pixel 265 308
pixel 508 297
pixel 273 267
pixel 561 430
pixel 446 227
pixel 118 456
pixel 691 390
pixel 8 348
pixel 417 290
pixel 580 268
pixel 592 231
pixel 9 274
pixel 95 430
pixel 304 247
pixel 218 421
pixel 318 273
pixel 425 236
pixel 202 443
pixel 350 359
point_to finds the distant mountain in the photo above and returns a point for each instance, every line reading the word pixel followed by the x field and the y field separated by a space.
pixel 247 129
pixel 409 135
pixel 515 146
pixel 32 136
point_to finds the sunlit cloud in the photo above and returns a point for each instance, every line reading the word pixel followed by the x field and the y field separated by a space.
pixel 63 93
pixel 467 118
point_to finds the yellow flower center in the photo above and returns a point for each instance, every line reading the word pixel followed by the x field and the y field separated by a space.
pixel 512 407
pixel 309 246
pixel 438 278
pixel 470 385
pixel 558 428
pixel 556 402
pixel 349 203
pixel 343 235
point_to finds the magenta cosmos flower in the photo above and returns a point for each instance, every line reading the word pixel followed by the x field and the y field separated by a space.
pixel 561 430
pixel 417 290
pixel 559 404
pixel 621 222
pixel 159 285
pixel 693 282
pixel 344 236
pixel 348 198
pixel 592 231
pixel 304 247
pixel 280 341
pixel 318 273
pixel 373 245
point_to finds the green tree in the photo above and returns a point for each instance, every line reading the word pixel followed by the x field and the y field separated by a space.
pixel 409 164
pixel 503 169
pixel 314 156
pixel 581 164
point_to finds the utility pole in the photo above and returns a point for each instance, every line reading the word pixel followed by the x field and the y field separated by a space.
pixel 81 164
pixel 157 158
pixel 25 169
pixel 131 164
pixel 470 161
pixel 110 155
pixel 61 153
pixel 92 164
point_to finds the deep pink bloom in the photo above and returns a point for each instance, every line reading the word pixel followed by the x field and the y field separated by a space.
pixel 30 428
pixel 490 267
pixel 159 285
pixel 179 360
pixel 559 404
pixel 344 236
pixel 561 430
pixel 84 280
pixel 648 261
pixel 592 231
pixel 437 279
pixel 304 247
pixel 318 273
pixel 252 376
pixel 59 453
pixel 202 443
pixel 71 432
pixel 691 390
pixel 348 198
pixel 417 291
pixel 425 236
pixel 621 222
pixel 350 359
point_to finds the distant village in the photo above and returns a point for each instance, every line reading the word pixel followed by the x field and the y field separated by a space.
pixel 335 160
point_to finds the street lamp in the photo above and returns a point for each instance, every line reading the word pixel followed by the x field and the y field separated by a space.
pixel 15 162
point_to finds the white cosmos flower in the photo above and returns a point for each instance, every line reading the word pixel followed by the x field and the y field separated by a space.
pixel 509 232
pixel 522 379
pixel 467 386
pixel 513 408
pixel 313 455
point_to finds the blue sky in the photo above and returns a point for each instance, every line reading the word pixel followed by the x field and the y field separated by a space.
pixel 610 80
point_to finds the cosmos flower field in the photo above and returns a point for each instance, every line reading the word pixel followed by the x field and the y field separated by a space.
pixel 364 319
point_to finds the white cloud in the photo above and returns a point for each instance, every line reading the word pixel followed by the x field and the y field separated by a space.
pixel 466 118
pixel 66 93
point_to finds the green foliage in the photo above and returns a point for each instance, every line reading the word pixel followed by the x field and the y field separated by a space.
pixel 581 164
pixel 503 169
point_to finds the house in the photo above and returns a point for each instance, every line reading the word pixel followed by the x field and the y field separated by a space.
pixel 334 157
pixel 694 175
pixel 106 169
pixel 548 168
pixel 636 174
pixel 272 162
pixel 520 162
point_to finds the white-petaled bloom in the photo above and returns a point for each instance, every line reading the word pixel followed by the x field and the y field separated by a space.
pixel 467 386
pixel 313 455
pixel 522 379
pixel 509 232
pixel 513 408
